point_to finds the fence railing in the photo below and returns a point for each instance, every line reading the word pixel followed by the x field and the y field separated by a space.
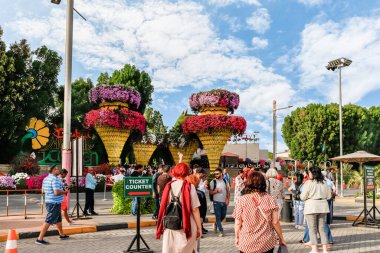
pixel 25 193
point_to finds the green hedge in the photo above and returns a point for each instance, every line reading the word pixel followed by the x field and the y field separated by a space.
pixel 123 205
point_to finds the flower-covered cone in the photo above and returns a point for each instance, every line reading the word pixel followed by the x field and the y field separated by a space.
pixel 114 140
pixel 188 151
pixel 143 152
pixel 213 142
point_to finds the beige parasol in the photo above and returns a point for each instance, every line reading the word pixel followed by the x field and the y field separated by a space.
pixel 363 157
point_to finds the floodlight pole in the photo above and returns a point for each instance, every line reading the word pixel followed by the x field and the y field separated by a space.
pixel 340 130
pixel 66 149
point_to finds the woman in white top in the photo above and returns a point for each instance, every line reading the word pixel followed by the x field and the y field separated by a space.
pixel 315 193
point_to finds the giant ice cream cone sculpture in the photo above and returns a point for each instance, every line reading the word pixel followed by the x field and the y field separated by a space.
pixel 114 121
pixel 214 127
pixel 187 150
pixel 143 152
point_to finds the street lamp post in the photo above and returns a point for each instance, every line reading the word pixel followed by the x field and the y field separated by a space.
pixel 275 109
pixel 248 138
pixel 333 65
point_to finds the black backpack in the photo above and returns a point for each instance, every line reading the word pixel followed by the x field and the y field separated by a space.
pixel 297 193
pixel 173 213
pixel 214 181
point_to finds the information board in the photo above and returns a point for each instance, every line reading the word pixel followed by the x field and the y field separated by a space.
pixel 138 187
pixel 370 176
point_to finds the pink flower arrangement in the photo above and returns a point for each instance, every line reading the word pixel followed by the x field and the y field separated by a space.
pixel 214 98
pixel 35 182
pixel 124 118
pixel 103 93
pixel 204 123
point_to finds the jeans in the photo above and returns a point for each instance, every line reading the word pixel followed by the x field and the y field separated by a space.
pixel 157 202
pixel 330 214
pixel 306 237
pixel 134 206
pixel 220 209
pixel 298 212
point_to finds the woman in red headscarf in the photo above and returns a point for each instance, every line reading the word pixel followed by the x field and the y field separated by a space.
pixel 184 240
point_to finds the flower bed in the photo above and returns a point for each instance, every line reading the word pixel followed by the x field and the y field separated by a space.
pixel 205 123
pixel 103 93
pixel 123 118
pixel 7 183
pixel 214 98
pixel 36 181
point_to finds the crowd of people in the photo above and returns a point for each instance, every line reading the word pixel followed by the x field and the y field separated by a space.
pixel 180 197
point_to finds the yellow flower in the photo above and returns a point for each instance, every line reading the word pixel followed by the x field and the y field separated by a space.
pixel 40 133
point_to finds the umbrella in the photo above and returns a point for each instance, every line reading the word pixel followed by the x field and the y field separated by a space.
pixel 357 157
pixel 362 157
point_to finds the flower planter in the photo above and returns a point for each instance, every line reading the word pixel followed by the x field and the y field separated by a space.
pixel 116 105
pixel 214 142
pixel 214 110
pixel 114 140
pixel 143 152
pixel 188 151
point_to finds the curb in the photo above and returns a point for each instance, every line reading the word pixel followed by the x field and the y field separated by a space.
pixel 113 226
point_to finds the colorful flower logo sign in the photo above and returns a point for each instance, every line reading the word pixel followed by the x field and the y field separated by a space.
pixel 38 132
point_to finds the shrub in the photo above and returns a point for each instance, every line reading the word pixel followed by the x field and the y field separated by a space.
pixel 122 205
pixel 22 163
pixel 7 183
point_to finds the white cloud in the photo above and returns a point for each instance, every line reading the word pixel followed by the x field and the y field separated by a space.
pixel 312 2
pixel 259 21
pixel 358 39
pixel 258 43
pixel 231 2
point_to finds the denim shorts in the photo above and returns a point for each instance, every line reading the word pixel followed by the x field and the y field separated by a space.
pixel 54 215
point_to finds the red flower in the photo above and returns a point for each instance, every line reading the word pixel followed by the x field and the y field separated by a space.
pixel 203 123
pixel 123 118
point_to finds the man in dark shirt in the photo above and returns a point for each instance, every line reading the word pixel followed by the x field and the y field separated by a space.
pixel 163 180
pixel 155 191
pixel 136 173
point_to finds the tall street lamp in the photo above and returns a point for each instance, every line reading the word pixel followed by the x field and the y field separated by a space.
pixel 248 138
pixel 333 65
pixel 66 149
pixel 275 109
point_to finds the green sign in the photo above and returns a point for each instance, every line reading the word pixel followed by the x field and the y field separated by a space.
pixel 138 187
pixel 370 176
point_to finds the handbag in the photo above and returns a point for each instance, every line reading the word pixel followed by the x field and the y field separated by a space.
pixel 282 249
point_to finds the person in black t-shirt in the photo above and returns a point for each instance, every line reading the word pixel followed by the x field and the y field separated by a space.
pixel 136 173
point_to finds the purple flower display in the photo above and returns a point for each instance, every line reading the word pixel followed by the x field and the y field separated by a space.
pixel 7 182
pixel 214 98
pixel 106 93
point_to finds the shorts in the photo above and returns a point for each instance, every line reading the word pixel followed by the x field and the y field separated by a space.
pixel 54 215
pixel 64 203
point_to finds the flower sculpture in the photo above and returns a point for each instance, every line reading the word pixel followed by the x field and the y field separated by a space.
pixel 218 98
pixel 103 94
pixel 214 127
pixel 114 121
pixel 38 132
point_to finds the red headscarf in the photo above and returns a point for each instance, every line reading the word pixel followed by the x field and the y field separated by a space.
pixel 186 203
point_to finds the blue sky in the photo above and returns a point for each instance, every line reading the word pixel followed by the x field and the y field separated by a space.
pixel 261 49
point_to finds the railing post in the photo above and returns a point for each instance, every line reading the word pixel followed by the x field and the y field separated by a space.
pixel 25 204
pixel 7 203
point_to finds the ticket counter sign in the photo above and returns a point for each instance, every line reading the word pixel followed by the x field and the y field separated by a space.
pixel 138 187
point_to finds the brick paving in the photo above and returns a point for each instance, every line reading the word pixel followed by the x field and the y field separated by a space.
pixel 347 239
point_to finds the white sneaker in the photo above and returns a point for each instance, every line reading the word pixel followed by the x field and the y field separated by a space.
pixel 296 226
pixel 301 227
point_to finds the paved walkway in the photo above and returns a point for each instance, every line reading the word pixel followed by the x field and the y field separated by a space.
pixel 347 240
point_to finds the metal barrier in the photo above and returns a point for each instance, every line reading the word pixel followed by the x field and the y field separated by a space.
pixel 25 202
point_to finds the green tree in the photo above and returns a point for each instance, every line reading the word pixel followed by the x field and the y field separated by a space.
pixel 154 121
pixel 307 128
pixel 80 103
pixel 130 76
pixel 28 84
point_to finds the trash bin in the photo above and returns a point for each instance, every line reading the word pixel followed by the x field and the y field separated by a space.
pixel 287 209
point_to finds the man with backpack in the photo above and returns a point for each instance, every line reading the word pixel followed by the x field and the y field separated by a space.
pixel 220 195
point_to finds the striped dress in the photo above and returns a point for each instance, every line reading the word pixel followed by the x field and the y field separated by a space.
pixel 257 234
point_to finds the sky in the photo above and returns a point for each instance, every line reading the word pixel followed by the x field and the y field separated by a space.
pixel 264 50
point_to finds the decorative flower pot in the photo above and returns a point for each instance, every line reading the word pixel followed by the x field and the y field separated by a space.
pixel 214 110
pixel 188 151
pixel 143 152
pixel 115 105
pixel 114 140
pixel 214 142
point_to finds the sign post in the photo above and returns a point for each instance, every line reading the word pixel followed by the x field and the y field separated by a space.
pixel 138 187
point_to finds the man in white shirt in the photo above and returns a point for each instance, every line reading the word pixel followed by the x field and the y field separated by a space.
pixel 220 192
pixel 119 177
